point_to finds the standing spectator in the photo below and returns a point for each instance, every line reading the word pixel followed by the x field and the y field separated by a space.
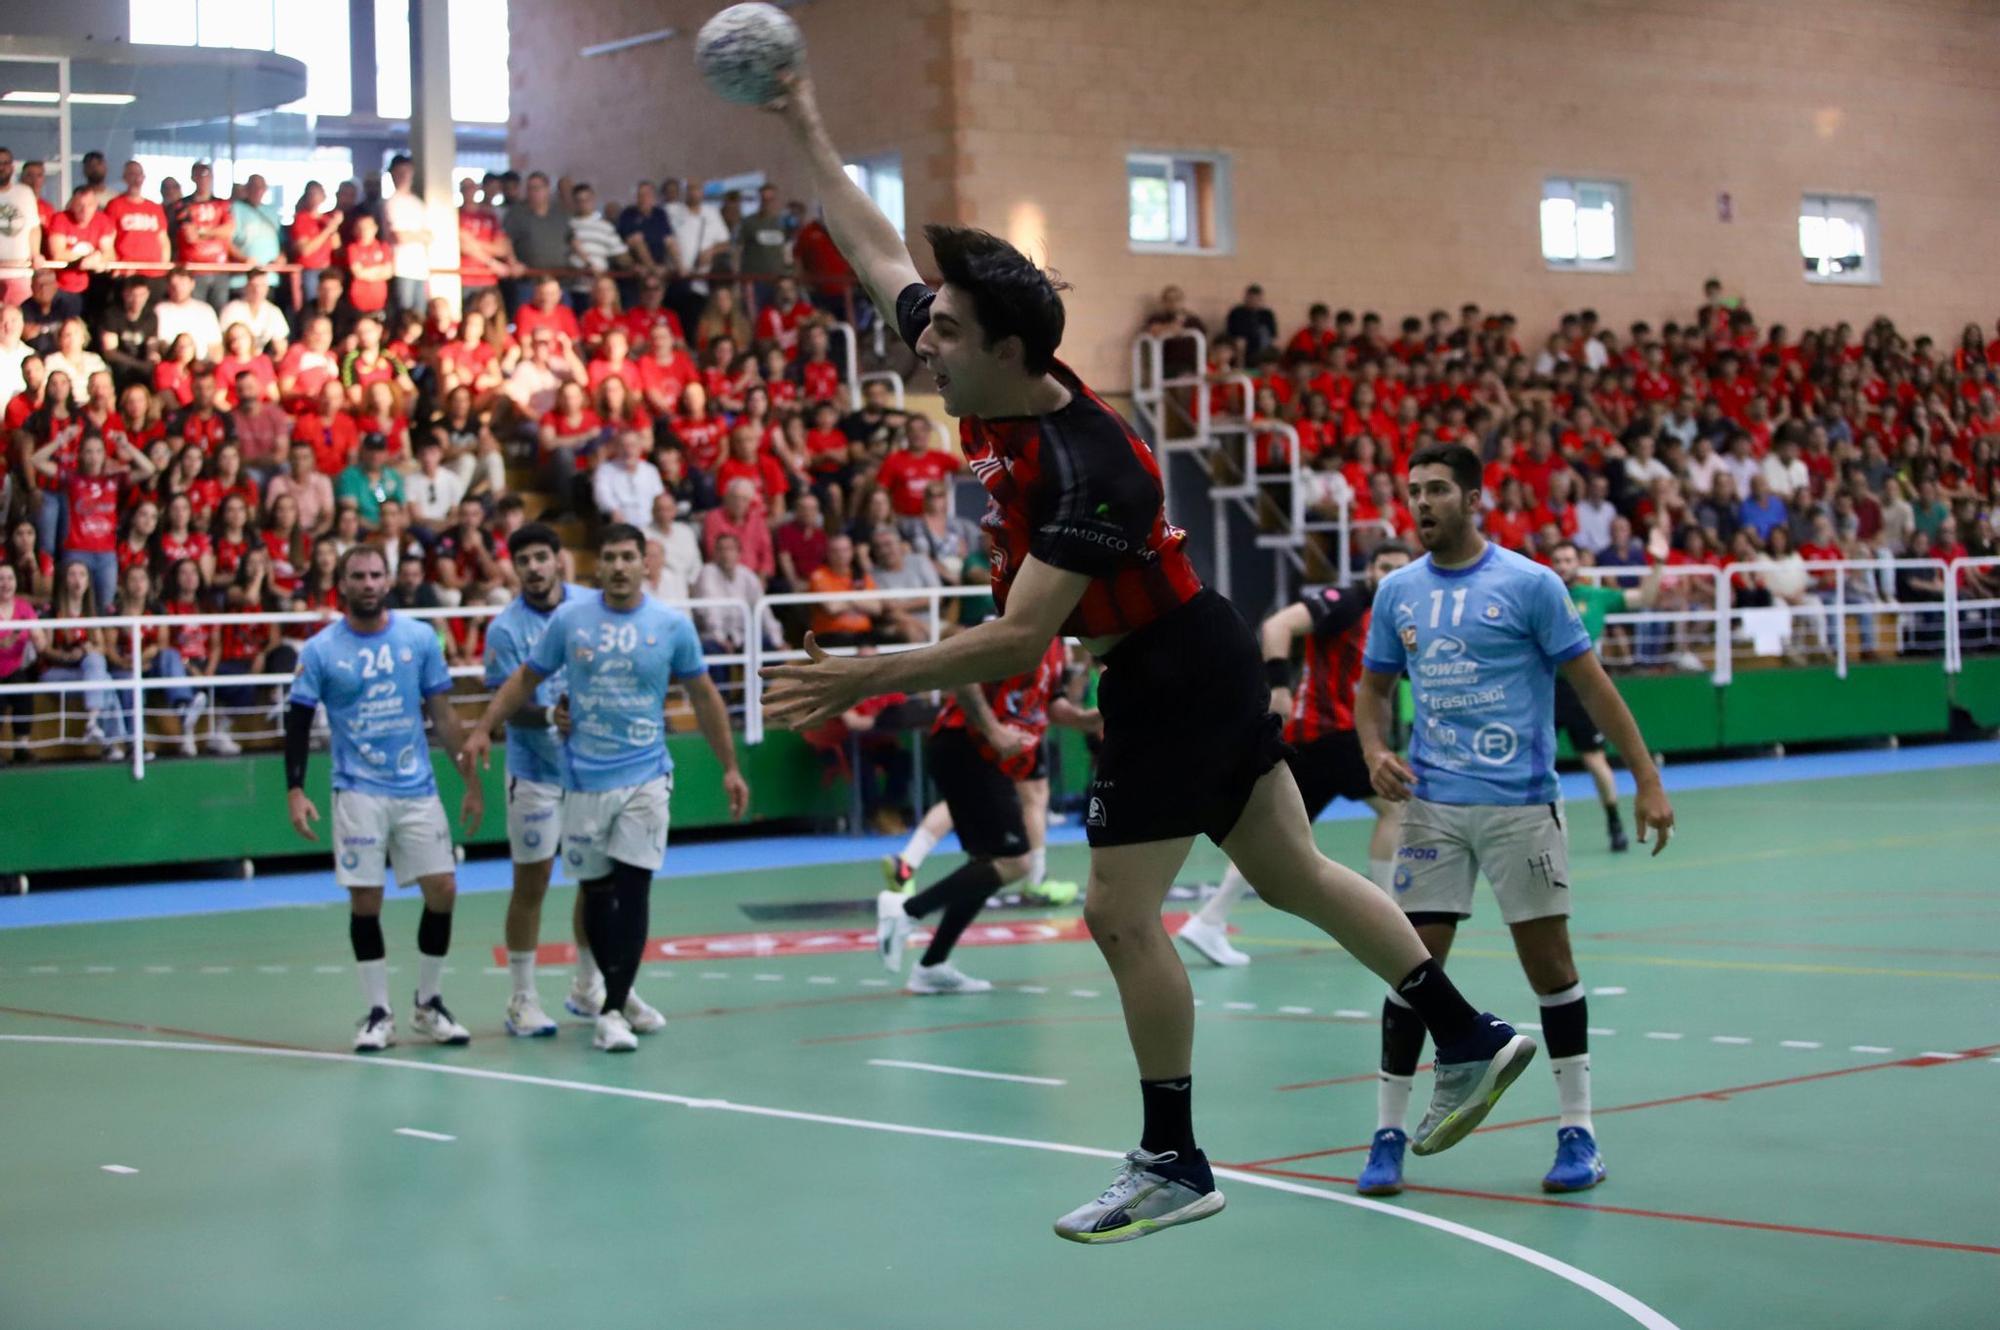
pixel 314 236
pixel 259 235
pixel 741 516
pixel 484 252
pixel 370 266
pixel 1254 325
pixel 206 234
pixel 82 241
pixel 625 484
pixel 762 243
pixel 20 232
pixel 649 234
pixel 828 276
pixel 16 647
pixel 538 231
pixel 702 239
pixel 94 492
pixel 594 244
pixel 410 233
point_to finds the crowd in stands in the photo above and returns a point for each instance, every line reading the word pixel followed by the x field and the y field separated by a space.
pixel 1737 443
pixel 205 404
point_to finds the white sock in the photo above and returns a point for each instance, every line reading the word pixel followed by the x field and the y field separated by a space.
pixel 1392 1100
pixel 1382 872
pixel 1215 913
pixel 587 973
pixel 374 983
pixel 521 965
pixel 1573 1090
pixel 1038 866
pixel 919 847
pixel 430 969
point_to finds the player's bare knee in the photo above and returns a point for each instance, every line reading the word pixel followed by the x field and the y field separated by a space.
pixel 440 893
pixel 1112 923
pixel 1012 869
pixel 365 901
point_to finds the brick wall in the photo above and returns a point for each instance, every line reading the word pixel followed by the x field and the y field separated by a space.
pixel 1384 156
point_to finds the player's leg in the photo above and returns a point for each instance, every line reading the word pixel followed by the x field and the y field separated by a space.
pixel 1037 887
pixel 533 830
pixel 1402 1049
pixel 1383 839
pixel 1588 741
pixel 420 850
pixel 1479 1056
pixel 361 865
pixel 632 845
pixel 586 985
pixel 900 870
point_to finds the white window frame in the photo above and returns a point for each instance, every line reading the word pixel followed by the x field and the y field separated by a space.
pixel 1557 187
pixel 1179 168
pixel 1858 210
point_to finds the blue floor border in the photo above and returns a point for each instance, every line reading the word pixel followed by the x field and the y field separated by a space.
pixel 161 900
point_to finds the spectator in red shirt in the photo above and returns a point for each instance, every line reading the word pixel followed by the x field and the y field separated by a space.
pixel 778 323
pixel 1509 524
pixel 140 225
pixel 329 430
pixel 800 545
pixel 547 311
pixel 696 432
pixel 910 469
pixel 94 493
pixel 747 462
pixel 1312 341
pixel 819 378
pixel 206 234
pixel 314 238
pixel 82 241
pixel 742 517
pixel 370 267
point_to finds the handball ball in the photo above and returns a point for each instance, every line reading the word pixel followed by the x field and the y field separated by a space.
pixel 743 50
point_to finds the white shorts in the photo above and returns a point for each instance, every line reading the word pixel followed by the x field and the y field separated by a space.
pixel 1523 850
pixel 372 831
pixel 534 821
pixel 628 824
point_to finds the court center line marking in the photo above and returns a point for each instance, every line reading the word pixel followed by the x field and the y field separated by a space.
pixel 966 1071
pixel 120 1169
pixel 1616 1297
pixel 422 1135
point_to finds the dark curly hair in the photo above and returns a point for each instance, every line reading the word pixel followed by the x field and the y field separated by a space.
pixel 1012 297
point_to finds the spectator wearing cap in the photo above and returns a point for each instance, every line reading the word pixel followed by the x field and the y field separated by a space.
pixel 370 482
pixel 741 516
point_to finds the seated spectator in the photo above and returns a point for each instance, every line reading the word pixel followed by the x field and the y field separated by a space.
pixel 71 654
pixel 691 489
pixel 413 589
pixel 909 471
pixel 779 322
pixel 434 492
pixel 662 582
pixel 127 334
pixel 263 431
pixel 470 447
pixel 892 568
pixel 741 516
pixel 849 620
pixel 469 566
pixel 17 646
pixel 665 370
pixel 727 577
pixel 72 356
pixel 721 317
pixel 875 419
pixel 603 313
pixel 1762 511
pixel 697 431
pixel 801 545
pixel 747 462
pixel 570 432
pixel 1253 324
pixel 181 313
pixel 625 484
pixel 679 545
pixel 940 536
pixel 547 312
pixel 372 362
pixel 369 264
pixel 252 308
pixel 816 373
pixel 370 481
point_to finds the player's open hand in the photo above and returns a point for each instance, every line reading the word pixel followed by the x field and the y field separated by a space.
pixel 303 813
pixel 737 791
pixel 1391 777
pixel 795 100
pixel 813 691
pixel 1651 809
pixel 472 808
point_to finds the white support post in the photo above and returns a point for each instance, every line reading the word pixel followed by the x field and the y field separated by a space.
pixel 138 725
pixel 434 141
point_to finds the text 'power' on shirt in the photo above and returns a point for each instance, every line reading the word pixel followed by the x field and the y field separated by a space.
pixel 374 686
pixel 1481 645
pixel 619 665
pixel 533 754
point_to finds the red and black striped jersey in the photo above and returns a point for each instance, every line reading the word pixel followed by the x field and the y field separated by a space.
pixel 1077 489
pixel 1324 700
pixel 1022 702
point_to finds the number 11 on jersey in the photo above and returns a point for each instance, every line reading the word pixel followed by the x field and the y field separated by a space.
pixel 1457 606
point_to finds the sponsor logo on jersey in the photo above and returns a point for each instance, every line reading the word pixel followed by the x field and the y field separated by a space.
pixel 1409 636
pixel 1427 853
pixel 1495 744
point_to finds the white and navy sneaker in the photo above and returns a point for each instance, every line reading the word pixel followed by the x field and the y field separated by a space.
pixel 1578 1166
pixel 527 1020
pixel 432 1019
pixel 892 929
pixel 585 999
pixel 1211 941
pixel 1151 1192
pixel 642 1016
pixel 1470 1077
pixel 375 1031
pixel 614 1034
pixel 944 978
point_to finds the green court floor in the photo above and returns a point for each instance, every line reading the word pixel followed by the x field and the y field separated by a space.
pixel 1797 1062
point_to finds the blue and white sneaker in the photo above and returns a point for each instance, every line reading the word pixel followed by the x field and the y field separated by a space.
pixel 1151 1192
pixel 526 1019
pixel 1384 1174
pixel 1578 1166
pixel 1470 1077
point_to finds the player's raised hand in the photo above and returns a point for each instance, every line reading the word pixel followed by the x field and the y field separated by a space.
pixel 1391 776
pixel 1650 808
pixel 737 791
pixel 303 814
pixel 813 691
pixel 795 100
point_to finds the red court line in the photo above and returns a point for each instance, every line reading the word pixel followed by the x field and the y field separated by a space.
pixel 155 1029
pixel 1717 1220
pixel 1340 1080
pixel 1721 1094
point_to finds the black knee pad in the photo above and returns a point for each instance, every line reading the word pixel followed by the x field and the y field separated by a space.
pixel 365 932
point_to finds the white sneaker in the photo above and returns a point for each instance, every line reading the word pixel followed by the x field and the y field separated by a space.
pixel 115 753
pixel 585 999
pixel 642 1016
pixel 375 1031
pixel 432 1019
pixel 526 1019
pixel 614 1035
pixel 190 719
pixel 93 733
pixel 222 745
pixel 892 929
pixel 944 978
pixel 1211 941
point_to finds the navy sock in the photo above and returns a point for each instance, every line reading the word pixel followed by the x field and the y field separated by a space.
pixel 1169 1107
pixel 1402 1039
pixel 1443 1009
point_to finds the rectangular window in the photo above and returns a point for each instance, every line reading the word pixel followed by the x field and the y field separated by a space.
pixel 881 179
pixel 1586 226
pixel 1837 239
pixel 1177 203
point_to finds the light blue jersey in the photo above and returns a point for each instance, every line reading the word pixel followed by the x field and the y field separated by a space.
pixel 1481 645
pixel 374 686
pixel 532 754
pixel 620 664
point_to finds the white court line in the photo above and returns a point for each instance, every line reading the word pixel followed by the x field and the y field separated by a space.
pixel 873 983
pixel 769 978
pixel 1607 992
pixel 1295 1011
pixel 100 969
pixel 119 1169
pixel 1239 1006
pixel 218 969
pixel 966 1071
pixel 1583 1279
pixel 1595 1030
pixel 1799 1043
pixel 274 969
pixel 822 979
pixel 1664 1034
pixel 1727 1039
pixel 424 1135
pixel 1350 1014
pixel 1869 1048
pixel 1946 1057
pixel 1083 992
pixel 159 969
pixel 1018 988
pixel 713 974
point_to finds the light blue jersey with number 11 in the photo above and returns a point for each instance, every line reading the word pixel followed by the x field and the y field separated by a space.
pixel 1481 645
pixel 620 664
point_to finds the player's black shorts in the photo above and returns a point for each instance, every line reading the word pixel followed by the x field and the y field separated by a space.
pixel 1188 728
pixel 985 806
pixel 1331 768
pixel 1040 771
pixel 1584 736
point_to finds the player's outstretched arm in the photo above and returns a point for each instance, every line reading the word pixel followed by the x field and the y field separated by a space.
pixel 477 747
pixel 802 696
pixel 444 718
pixel 712 715
pixel 1600 697
pixel 865 238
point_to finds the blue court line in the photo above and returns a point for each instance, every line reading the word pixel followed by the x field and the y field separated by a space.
pixel 91 905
